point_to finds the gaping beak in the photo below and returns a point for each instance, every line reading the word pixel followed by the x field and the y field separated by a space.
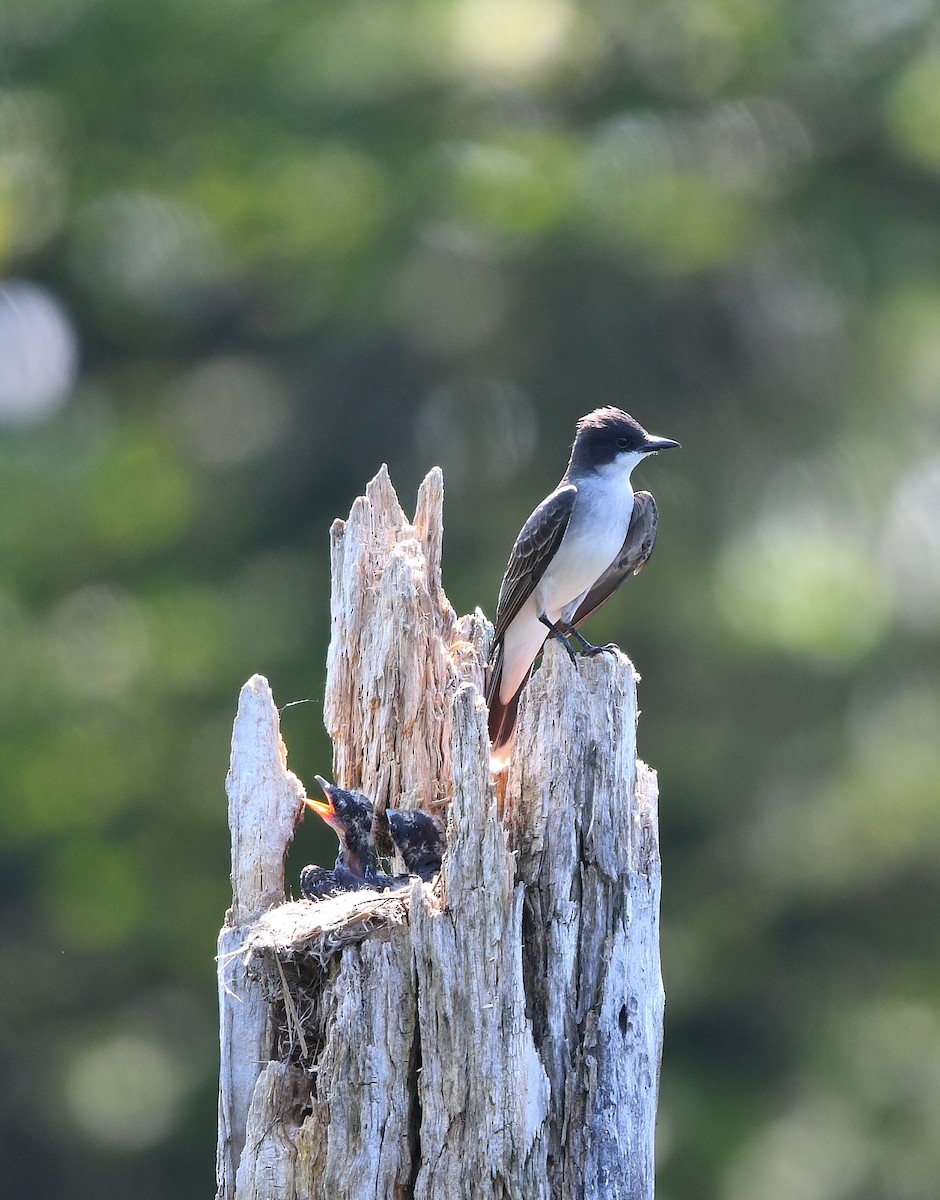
pixel 323 808
pixel 655 444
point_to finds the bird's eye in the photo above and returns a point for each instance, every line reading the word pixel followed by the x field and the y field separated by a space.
pixel 622 443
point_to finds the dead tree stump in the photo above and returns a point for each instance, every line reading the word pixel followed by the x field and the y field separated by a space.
pixel 495 1034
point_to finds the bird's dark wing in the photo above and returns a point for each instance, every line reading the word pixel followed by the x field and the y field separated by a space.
pixel 636 549
pixel 317 883
pixel 535 546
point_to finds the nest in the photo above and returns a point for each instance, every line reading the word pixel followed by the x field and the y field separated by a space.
pixel 293 950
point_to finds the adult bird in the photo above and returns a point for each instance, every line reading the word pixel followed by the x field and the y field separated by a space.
pixel 571 555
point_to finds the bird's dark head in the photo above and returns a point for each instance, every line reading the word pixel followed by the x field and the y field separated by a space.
pixel 349 815
pixel 419 838
pixel 609 437
pixel 341 809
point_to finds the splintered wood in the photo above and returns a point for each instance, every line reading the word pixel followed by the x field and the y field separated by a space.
pixel 265 803
pixel 495 1034
pixel 391 676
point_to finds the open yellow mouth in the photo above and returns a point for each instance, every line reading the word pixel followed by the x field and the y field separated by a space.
pixel 323 808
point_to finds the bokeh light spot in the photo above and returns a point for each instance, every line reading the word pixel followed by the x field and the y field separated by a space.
pixel 231 409
pixel 518 186
pixel 696 47
pixel 125 1092
pixel 447 300
pixel 32 181
pixel 359 49
pixel 870 820
pixel 914 110
pixel 805 589
pixel 906 333
pixel 481 431
pixel 816 1151
pixel 912 544
pixel 886 727
pixel 77 776
pixel 324 205
pixel 192 628
pixel 497 39
pixel 18 652
pixel 153 250
pixel 38 354
pixel 99 641
pixel 640 186
pixel 892 1048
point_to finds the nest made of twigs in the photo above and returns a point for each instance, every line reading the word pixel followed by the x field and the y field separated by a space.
pixel 294 950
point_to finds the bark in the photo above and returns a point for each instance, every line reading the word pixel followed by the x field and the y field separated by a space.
pixel 496 1033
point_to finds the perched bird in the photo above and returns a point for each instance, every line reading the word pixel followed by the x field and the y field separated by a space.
pixel 420 840
pixel 349 815
pixel 574 551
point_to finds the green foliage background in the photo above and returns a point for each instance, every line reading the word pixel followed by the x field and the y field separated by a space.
pixel 251 249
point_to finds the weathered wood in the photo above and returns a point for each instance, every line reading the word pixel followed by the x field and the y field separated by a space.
pixel 264 806
pixel 390 673
pixel 585 822
pixel 496 1034
pixel 483 1092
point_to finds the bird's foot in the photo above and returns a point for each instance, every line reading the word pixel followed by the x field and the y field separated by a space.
pixel 564 641
pixel 592 651
pixel 555 632
pixel 588 649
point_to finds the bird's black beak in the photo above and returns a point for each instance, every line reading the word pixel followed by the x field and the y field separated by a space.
pixel 653 445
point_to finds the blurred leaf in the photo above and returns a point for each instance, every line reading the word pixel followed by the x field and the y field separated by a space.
pixel 804 590
pixel 140 499
pixel 94 895
pixel 914 109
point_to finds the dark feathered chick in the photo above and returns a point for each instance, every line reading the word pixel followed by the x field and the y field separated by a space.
pixel 320 883
pixel 418 836
pixel 349 815
pixel 420 840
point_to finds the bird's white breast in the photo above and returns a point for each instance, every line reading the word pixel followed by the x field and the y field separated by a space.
pixel 592 541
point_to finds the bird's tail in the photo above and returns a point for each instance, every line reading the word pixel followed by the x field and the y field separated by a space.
pixel 502 718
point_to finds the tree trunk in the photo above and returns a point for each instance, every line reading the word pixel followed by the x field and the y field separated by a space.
pixel 494 1034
